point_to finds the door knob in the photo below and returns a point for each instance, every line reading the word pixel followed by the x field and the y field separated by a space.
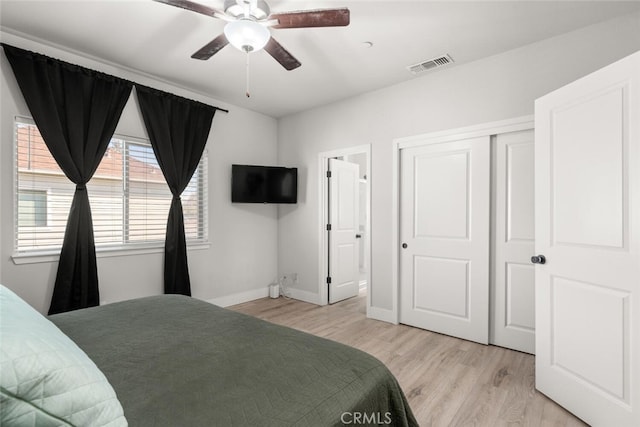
pixel 404 246
pixel 538 259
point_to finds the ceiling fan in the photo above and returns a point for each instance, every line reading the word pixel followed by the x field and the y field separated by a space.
pixel 248 23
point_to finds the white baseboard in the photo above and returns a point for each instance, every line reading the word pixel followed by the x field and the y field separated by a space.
pixel 382 314
pixel 362 285
pixel 376 313
pixel 240 297
pixel 305 296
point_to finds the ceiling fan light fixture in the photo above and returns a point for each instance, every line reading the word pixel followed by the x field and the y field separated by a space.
pixel 258 9
pixel 247 35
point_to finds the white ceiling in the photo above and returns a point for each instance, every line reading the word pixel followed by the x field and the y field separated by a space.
pixel 157 39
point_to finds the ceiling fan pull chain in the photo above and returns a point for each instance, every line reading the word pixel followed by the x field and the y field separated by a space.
pixel 247 92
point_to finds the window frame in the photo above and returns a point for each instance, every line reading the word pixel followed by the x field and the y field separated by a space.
pixel 28 256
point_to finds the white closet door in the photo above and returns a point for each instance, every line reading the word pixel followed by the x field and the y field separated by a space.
pixel 444 232
pixel 587 166
pixel 514 288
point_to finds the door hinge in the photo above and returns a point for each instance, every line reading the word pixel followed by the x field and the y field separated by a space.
pixel 328 227
pixel 329 280
pixel 328 174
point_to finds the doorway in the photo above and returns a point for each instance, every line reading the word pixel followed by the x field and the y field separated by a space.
pixel 358 157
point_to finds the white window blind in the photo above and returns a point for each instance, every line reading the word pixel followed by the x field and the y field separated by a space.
pixel 128 194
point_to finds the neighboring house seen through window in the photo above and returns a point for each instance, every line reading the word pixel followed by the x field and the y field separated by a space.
pixel 128 194
pixel 32 208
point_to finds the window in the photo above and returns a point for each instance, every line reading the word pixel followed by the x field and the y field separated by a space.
pixel 32 208
pixel 128 194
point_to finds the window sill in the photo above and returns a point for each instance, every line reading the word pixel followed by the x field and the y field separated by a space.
pixel 106 252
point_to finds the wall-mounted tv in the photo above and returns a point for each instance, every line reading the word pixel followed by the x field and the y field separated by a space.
pixel 263 184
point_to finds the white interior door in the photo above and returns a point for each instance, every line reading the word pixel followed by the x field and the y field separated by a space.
pixel 444 232
pixel 513 310
pixel 587 164
pixel 344 202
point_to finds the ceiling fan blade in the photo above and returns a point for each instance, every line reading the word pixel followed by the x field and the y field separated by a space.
pixel 195 7
pixel 281 55
pixel 211 48
pixel 312 18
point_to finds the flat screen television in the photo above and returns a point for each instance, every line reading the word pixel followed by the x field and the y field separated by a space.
pixel 263 184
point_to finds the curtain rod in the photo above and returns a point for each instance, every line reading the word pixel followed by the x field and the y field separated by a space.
pixel 109 75
pixel 162 92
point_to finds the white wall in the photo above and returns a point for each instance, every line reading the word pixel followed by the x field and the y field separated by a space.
pixel 251 244
pixel 495 88
pixel 242 256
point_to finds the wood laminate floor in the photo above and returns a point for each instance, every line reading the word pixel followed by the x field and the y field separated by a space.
pixel 448 381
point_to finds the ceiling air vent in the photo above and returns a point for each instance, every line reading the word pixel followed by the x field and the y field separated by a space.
pixel 430 64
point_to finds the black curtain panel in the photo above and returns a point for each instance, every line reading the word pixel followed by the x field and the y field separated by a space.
pixel 178 129
pixel 76 111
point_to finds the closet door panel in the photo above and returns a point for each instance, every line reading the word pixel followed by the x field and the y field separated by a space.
pixel 513 323
pixel 444 231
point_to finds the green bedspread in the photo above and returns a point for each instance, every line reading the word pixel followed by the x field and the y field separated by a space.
pixel 178 361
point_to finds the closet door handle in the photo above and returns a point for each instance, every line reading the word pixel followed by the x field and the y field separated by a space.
pixel 538 259
pixel 404 246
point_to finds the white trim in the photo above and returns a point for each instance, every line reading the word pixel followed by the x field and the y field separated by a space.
pixel 474 131
pixel 305 296
pixel 395 227
pixel 322 218
pixel 323 159
pixel 382 314
pixel 240 297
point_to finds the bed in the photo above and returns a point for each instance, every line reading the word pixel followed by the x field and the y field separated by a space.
pixel 178 361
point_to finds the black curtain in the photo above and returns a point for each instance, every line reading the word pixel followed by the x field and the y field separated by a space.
pixel 178 129
pixel 76 111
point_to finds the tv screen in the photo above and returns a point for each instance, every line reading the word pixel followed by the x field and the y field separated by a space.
pixel 263 184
